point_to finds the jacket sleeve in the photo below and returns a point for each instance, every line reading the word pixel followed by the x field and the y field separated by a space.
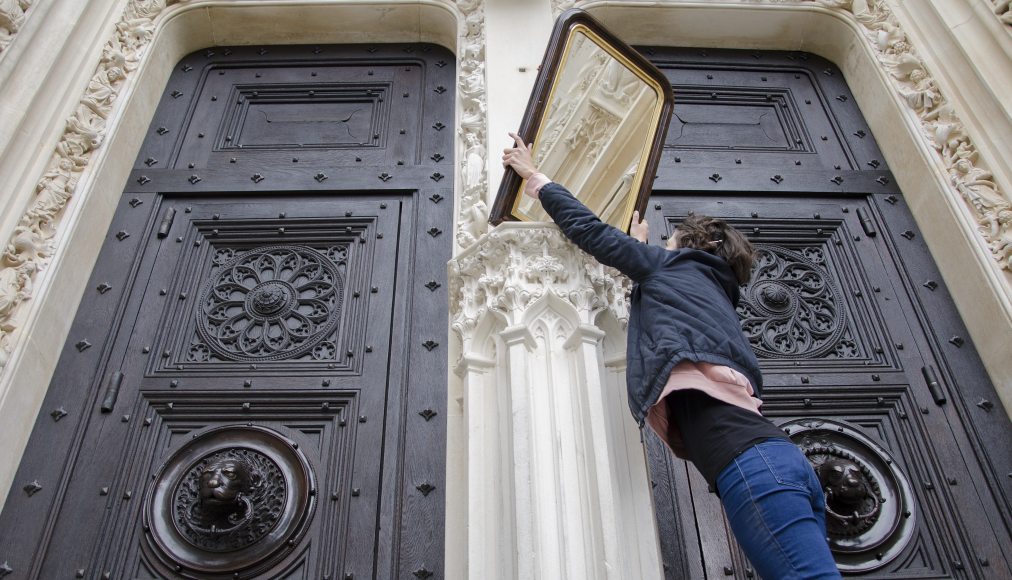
pixel 609 245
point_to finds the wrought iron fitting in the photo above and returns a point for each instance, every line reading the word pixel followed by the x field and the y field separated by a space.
pixel 32 488
pixel 166 225
pixel 112 387
pixel 866 224
pixel 934 386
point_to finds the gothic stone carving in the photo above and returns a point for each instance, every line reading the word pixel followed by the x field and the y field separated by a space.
pixel 473 219
pixel 12 18
pixel 231 502
pixel 515 265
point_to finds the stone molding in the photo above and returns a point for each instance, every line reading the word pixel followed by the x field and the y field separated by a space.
pixel 12 18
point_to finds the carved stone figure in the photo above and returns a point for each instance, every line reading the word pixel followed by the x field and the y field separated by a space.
pixel 977 186
pixel 102 92
pixel 15 287
pixel 473 166
pixel 54 190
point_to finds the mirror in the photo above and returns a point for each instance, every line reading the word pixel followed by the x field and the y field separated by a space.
pixel 597 118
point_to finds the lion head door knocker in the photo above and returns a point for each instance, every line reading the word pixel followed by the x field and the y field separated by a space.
pixel 233 502
pixel 852 496
pixel 869 502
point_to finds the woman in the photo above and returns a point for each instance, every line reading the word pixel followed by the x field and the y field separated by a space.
pixel 692 375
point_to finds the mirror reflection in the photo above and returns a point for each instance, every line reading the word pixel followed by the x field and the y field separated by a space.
pixel 597 129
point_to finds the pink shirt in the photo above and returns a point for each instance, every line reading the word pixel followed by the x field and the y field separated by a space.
pixel 720 382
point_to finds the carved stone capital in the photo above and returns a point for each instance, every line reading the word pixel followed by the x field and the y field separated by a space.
pixel 513 267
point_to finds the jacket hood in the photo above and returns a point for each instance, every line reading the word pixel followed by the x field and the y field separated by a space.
pixel 719 270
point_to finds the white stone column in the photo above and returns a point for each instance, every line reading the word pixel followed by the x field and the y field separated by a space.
pixel 557 482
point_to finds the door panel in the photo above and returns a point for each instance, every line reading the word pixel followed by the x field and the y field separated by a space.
pixel 254 384
pixel 865 361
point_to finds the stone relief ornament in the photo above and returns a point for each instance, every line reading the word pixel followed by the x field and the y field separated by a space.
pixel 870 507
pixel 12 18
pixel 473 158
pixel 940 123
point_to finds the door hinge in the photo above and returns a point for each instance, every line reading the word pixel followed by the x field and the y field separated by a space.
pixel 166 225
pixel 934 387
pixel 111 391
pixel 866 223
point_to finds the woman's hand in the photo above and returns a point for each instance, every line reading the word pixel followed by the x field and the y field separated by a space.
pixel 640 229
pixel 519 157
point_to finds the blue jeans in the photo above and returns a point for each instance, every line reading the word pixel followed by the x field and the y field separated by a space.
pixel 777 510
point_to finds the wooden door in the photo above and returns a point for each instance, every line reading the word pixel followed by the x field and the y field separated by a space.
pixel 255 381
pixel 866 363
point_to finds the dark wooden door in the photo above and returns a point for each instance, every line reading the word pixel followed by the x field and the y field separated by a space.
pixel 255 381
pixel 866 363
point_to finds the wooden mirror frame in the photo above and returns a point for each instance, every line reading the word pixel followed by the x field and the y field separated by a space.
pixel 570 22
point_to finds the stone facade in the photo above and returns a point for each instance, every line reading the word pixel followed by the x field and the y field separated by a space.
pixel 524 303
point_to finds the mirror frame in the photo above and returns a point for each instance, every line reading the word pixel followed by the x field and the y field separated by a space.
pixel 573 20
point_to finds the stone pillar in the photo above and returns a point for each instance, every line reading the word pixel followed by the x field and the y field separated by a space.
pixel 556 478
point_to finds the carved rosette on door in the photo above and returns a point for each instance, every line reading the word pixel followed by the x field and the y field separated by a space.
pixel 232 502
pixel 870 513
pixel 270 303
pixel 791 307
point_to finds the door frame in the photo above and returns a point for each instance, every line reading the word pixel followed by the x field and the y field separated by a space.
pixel 44 325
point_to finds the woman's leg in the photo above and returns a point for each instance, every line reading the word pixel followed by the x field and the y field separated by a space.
pixel 776 508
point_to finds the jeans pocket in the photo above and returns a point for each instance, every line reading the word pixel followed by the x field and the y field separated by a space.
pixel 786 462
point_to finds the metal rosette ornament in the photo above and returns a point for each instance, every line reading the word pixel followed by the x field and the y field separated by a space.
pixel 870 512
pixel 792 307
pixel 270 303
pixel 231 503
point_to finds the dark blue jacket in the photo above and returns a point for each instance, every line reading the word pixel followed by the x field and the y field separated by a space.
pixel 682 305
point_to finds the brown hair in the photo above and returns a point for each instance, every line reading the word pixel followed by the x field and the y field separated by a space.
pixel 720 239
